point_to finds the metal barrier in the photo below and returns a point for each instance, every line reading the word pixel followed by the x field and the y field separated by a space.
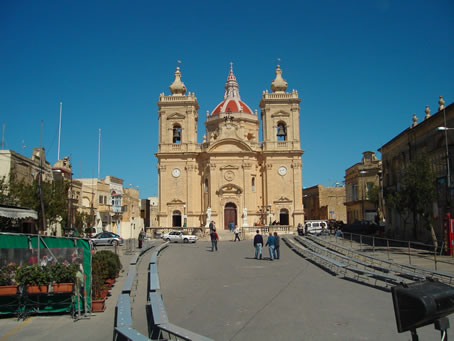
pixel 159 326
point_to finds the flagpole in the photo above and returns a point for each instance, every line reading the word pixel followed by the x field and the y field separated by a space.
pixel 99 152
pixel 59 133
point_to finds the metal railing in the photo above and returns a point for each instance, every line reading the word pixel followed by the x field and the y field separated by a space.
pixel 413 249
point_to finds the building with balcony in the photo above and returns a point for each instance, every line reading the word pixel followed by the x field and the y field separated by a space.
pixel 361 180
pixel 421 139
pixel 131 220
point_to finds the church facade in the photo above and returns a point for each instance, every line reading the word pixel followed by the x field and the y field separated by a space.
pixel 231 177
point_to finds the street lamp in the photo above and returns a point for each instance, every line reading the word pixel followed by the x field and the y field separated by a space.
pixel 361 173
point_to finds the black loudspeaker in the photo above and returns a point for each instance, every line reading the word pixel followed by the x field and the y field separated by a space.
pixel 421 303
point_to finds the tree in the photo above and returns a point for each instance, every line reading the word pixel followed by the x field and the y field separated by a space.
pixel 55 196
pixel 416 194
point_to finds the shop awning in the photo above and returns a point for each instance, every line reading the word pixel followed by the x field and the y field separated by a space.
pixel 17 213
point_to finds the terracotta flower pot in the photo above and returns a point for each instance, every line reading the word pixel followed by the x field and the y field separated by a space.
pixel 63 287
pixel 8 290
pixel 37 289
pixel 98 306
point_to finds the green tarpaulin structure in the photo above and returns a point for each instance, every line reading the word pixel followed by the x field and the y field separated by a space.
pixel 20 249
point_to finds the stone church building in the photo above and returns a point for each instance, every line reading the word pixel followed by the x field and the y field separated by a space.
pixel 231 176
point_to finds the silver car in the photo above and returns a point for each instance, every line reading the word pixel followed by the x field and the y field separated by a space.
pixel 179 237
pixel 107 238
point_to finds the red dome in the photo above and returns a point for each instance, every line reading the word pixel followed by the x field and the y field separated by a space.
pixel 232 105
pixel 232 101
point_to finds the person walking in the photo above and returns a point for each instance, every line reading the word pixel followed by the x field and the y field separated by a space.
pixel 141 238
pixel 214 240
pixel 277 241
pixel 258 243
pixel 270 243
pixel 237 233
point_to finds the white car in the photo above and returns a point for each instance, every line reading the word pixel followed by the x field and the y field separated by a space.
pixel 179 237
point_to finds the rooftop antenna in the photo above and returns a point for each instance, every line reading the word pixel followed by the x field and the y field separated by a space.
pixel 99 152
pixel 23 146
pixel 3 136
pixel 59 133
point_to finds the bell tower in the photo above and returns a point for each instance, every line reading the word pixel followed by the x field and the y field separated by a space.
pixel 280 116
pixel 177 152
pixel 177 118
pixel 282 165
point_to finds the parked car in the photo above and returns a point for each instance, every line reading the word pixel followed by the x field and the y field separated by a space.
pixel 360 227
pixel 316 227
pixel 179 237
pixel 92 231
pixel 107 238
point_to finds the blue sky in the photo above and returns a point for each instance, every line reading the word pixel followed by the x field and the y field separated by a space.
pixel 362 68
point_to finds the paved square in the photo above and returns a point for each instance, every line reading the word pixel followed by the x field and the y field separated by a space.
pixel 228 295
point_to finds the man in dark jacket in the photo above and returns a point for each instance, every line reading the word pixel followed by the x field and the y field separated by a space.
pixel 277 241
pixel 258 243
pixel 214 240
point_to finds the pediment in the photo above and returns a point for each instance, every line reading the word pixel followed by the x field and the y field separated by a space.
pixel 229 145
pixel 283 200
pixel 280 114
pixel 229 189
pixel 176 116
pixel 175 202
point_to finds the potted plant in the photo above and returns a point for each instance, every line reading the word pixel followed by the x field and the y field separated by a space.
pixel 62 277
pixel 8 284
pixel 99 275
pixel 34 277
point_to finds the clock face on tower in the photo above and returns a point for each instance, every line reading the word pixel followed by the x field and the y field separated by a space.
pixel 176 172
pixel 282 170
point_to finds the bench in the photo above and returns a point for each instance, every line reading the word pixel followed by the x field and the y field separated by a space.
pixel 387 278
pixel 328 262
pixel 123 317
pixel 127 286
pixel 154 278
pixel 169 331
pixel 129 333
pixel 134 259
pixel 392 267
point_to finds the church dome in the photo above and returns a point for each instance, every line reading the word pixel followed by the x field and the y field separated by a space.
pixel 232 101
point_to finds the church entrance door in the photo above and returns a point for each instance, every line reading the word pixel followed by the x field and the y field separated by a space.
pixel 176 219
pixel 283 217
pixel 230 215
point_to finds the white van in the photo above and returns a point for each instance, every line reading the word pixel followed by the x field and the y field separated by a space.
pixel 316 226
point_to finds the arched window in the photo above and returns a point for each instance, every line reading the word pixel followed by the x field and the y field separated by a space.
pixel 176 219
pixel 176 138
pixel 253 184
pixel 205 188
pixel 281 131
